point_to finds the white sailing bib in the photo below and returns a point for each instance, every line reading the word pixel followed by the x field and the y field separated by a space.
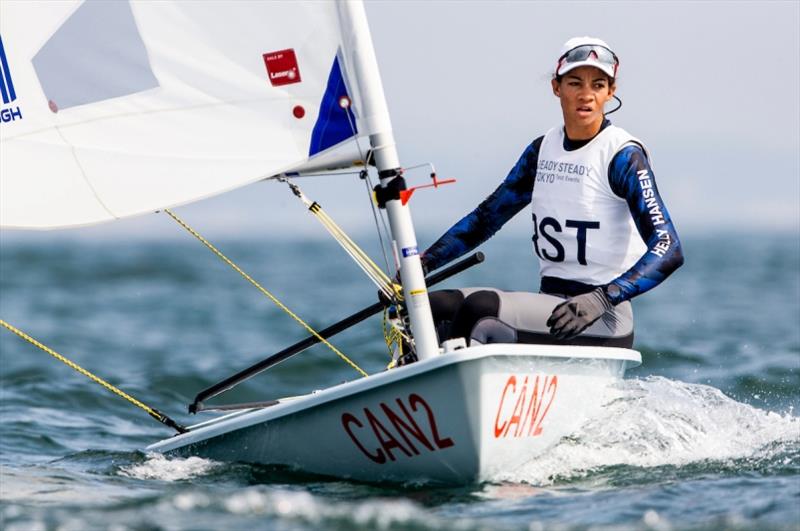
pixel 582 231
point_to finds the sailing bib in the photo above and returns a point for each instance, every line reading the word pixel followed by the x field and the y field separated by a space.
pixel 582 231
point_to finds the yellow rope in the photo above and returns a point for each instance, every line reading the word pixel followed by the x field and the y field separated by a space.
pixel 340 234
pixel 278 303
pixel 363 260
pixel 392 336
pixel 372 270
pixel 151 411
pixel 387 333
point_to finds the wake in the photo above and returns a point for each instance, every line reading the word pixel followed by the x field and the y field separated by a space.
pixel 655 422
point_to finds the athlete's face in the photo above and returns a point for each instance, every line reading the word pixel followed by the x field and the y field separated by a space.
pixel 583 92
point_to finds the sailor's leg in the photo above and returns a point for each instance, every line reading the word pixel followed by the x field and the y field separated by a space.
pixel 521 317
pixel 445 305
pixel 478 305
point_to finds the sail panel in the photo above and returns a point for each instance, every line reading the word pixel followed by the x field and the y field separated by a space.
pixel 227 93
pixel 90 52
pixel 36 192
pixel 362 67
pixel 336 122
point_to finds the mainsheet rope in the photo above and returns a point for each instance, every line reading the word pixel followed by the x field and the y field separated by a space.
pixel 252 281
pixel 392 291
pixel 153 412
pixel 362 259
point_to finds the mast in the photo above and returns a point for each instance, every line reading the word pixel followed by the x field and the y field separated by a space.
pixel 361 55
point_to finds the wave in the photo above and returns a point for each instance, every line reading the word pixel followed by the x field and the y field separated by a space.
pixel 658 422
pixel 160 467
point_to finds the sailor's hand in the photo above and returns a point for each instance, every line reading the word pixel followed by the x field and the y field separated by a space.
pixel 574 315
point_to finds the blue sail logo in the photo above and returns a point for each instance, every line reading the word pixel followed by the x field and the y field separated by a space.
pixel 7 91
pixel 6 84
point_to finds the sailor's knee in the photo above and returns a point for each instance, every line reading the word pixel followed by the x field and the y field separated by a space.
pixel 492 330
pixel 445 303
pixel 483 303
pixel 476 306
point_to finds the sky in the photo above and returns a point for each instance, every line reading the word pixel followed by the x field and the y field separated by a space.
pixel 712 89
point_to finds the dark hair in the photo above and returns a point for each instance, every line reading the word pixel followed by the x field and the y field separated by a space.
pixel 611 81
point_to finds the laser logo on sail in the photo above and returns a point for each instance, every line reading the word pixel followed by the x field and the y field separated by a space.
pixel 282 67
pixel 7 91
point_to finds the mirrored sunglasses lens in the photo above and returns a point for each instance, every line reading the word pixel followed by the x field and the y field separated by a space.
pixel 604 55
pixel 583 52
pixel 578 54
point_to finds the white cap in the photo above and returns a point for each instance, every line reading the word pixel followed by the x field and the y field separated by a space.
pixel 591 60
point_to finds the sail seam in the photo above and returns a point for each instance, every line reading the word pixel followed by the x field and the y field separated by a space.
pixel 34 132
pixel 83 173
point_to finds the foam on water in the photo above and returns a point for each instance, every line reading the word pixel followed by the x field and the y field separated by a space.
pixel 160 467
pixel 655 422
pixel 307 509
pixel 305 506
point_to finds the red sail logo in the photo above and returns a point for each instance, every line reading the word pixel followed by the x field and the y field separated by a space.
pixel 282 67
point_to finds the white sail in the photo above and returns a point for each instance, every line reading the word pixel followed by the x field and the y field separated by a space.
pixel 113 109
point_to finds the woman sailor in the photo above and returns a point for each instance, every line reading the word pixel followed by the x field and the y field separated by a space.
pixel 600 228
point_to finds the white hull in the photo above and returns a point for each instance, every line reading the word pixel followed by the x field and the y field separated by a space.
pixel 460 417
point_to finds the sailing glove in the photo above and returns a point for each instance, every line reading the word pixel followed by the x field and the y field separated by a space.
pixel 574 315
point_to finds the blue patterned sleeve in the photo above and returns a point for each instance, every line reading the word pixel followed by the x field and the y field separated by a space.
pixel 513 194
pixel 632 179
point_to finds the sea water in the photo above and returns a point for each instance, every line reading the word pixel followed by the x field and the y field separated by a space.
pixel 704 435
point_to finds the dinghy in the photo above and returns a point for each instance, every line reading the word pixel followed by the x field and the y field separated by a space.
pixel 116 109
pixel 462 416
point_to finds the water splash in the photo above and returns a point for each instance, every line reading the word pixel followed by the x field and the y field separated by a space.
pixel 306 510
pixel 657 422
pixel 160 467
pixel 302 505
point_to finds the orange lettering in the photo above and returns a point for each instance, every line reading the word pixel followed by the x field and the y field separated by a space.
pixel 553 385
pixel 520 420
pixel 516 414
pixel 534 406
pixel 498 430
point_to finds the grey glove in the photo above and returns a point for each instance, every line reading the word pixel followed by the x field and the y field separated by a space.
pixel 574 315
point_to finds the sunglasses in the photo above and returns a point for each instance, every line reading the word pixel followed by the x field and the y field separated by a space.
pixel 583 52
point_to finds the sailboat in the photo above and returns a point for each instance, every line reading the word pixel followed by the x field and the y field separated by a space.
pixel 118 109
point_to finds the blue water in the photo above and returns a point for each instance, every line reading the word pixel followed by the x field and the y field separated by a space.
pixel 704 435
